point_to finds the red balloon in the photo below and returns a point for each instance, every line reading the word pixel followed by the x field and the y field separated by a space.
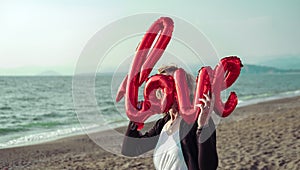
pixel 188 109
pixel 225 74
pixel 166 26
pixel 175 89
pixel 122 89
pixel 164 82
pixel 209 82
pixel 141 67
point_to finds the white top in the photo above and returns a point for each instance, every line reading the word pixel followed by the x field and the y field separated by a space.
pixel 168 153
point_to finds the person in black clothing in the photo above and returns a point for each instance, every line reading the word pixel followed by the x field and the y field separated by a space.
pixel 176 144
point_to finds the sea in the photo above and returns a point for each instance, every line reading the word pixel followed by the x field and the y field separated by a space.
pixel 36 109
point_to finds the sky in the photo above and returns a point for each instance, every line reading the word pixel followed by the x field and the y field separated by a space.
pixel 46 35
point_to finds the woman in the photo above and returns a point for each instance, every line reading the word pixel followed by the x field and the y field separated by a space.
pixel 176 144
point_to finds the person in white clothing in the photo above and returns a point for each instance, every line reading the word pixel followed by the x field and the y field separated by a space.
pixel 176 144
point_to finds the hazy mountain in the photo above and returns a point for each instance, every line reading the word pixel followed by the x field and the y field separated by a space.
pixel 49 73
pixel 36 71
pixel 257 69
pixel 285 62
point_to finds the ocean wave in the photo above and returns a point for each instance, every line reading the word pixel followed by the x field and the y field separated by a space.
pixel 5 131
pixel 51 115
pixel 42 124
pixel 253 99
pixel 41 137
pixel 5 108
pixel 108 110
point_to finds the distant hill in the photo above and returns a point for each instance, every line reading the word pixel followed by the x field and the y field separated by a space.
pixel 257 69
pixel 284 62
pixel 49 73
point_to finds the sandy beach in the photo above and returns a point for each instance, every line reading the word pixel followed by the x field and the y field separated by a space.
pixel 266 136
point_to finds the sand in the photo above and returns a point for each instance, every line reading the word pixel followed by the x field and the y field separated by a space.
pixel 264 136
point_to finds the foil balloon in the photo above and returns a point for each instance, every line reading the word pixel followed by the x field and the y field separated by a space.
pixel 175 88
pixel 188 109
pixel 209 82
pixel 225 74
pixel 142 65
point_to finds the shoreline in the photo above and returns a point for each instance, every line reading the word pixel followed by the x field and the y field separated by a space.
pixel 84 132
pixel 263 138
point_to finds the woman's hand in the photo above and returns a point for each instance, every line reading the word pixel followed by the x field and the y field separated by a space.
pixel 206 110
